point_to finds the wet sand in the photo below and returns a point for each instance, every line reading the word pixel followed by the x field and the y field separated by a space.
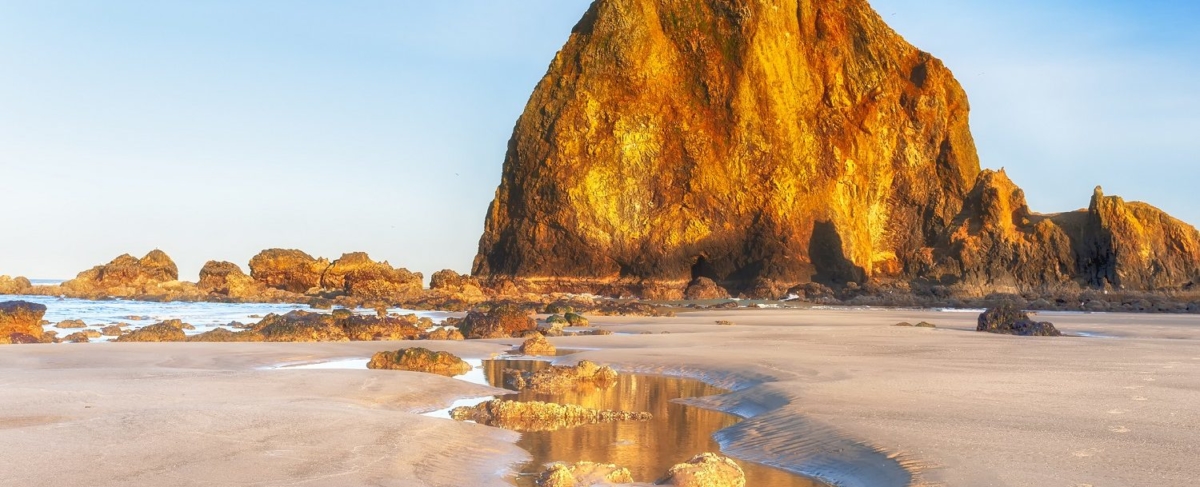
pixel 839 394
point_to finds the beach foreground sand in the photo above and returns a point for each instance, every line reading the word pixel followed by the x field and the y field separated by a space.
pixel 837 393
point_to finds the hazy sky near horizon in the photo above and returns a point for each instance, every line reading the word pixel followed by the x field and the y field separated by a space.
pixel 213 129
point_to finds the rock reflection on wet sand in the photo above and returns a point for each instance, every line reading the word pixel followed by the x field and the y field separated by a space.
pixel 646 448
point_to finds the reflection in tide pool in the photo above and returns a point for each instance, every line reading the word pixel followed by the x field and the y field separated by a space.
pixel 648 449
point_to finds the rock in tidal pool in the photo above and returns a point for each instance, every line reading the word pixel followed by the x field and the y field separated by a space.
pixel 705 470
pixel 540 416
pixel 420 360
pixel 583 474
pixel 537 345
pixel 1007 319
pixel 558 379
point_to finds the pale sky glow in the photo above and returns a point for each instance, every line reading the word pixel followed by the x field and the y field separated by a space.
pixel 214 129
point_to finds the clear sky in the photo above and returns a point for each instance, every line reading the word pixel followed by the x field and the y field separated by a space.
pixel 213 129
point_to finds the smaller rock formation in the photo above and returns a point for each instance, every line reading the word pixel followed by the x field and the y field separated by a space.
pixel 222 335
pixel 537 345
pixel 21 322
pixel 540 416
pixel 923 324
pixel 583 474
pixel 705 470
pixel 226 278
pixel 558 379
pixel 125 276
pixel 15 285
pixel 359 276
pixel 420 360
pixel 112 330
pixel 575 319
pixel 69 324
pixel 167 331
pixel 703 288
pixel 503 321
pixel 288 269
pixel 1007 319
pixel 301 326
pixel 445 333
pixel 453 282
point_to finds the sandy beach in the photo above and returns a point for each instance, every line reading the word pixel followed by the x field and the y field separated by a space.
pixel 836 393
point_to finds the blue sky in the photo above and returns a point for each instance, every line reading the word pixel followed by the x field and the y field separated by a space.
pixel 213 129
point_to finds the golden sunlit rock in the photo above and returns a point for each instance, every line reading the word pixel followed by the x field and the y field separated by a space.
pixel 705 470
pixel 539 416
pixel 419 359
pixel 562 378
pixel 757 146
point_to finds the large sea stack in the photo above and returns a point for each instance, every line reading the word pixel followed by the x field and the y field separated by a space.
pixel 789 141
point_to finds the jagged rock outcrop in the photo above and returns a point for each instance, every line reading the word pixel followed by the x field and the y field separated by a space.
pixel 795 141
pixel 21 322
pixel 14 285
pixel 357 275
pixel 126 276
pixel 1137 246
pixel 765 145
pixel 288 269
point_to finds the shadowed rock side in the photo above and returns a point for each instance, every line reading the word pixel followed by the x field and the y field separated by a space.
pixel 761 145
pixel 672 140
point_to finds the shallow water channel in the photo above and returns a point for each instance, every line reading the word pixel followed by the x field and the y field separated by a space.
pixel 649 448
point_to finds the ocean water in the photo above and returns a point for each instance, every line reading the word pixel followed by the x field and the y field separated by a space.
pixel 204 316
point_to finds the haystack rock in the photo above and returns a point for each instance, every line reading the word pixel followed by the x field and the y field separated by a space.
pixel 126 275
pixel 767 144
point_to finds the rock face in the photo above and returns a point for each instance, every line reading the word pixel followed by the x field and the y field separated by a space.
pixel 1137 246
pixel 674 140
pixel 20 321
pixel 126 276
pixel 420 360
pixel 1009 320
pixel 764 145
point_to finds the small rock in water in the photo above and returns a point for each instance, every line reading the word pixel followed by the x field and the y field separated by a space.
pixel 557 379
pixel 705 470
pixel 71 324
pixel 583 474
pixel 540 416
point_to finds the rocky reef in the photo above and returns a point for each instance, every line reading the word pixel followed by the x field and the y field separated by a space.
pixel 758 147
pixel 540 416
pixel 503 321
